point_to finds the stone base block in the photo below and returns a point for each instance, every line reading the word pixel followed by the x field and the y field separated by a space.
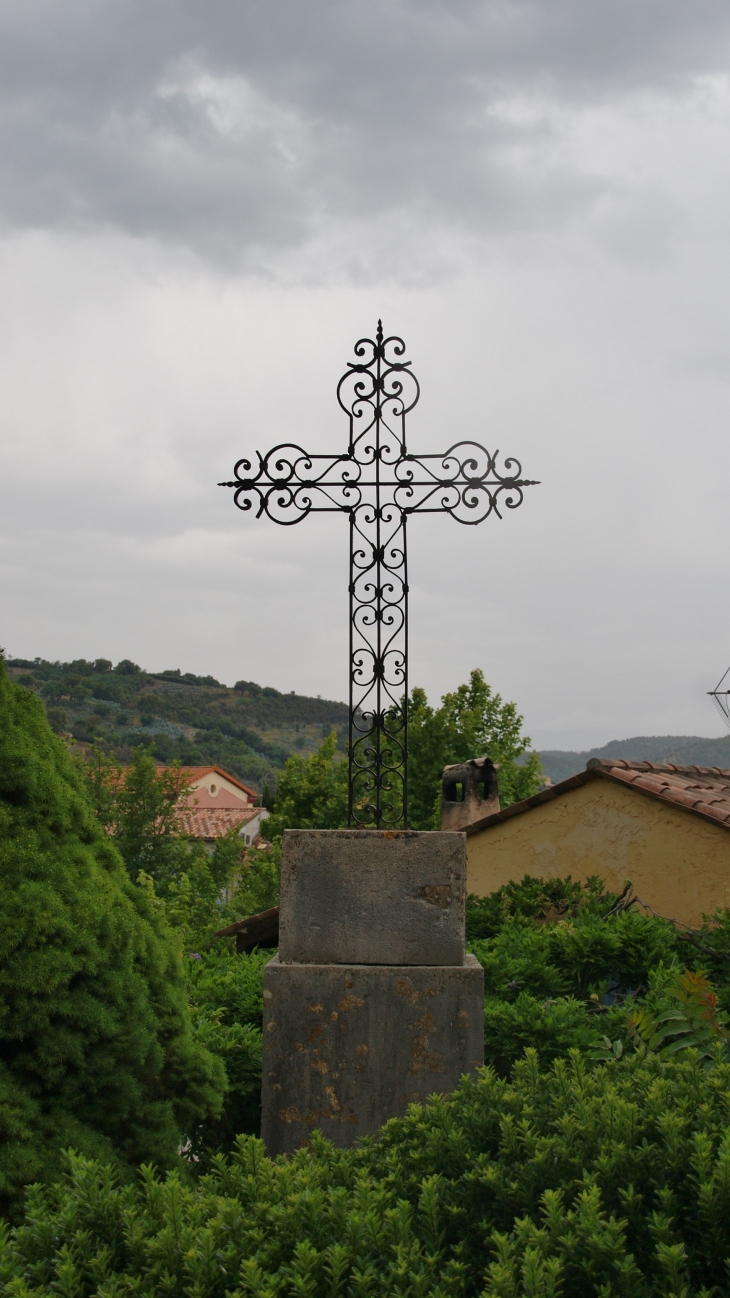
pixel 372 896
pixel 348 1046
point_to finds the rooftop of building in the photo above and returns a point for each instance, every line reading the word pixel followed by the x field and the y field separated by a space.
pixel 701 790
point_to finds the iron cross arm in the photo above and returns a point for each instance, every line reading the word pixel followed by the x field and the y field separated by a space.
pixel 378 483
pixel 463 481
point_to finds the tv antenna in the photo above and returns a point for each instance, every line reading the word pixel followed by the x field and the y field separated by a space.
pixel 721 698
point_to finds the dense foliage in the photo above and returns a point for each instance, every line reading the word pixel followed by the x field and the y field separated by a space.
pixel 312 792
pixel 227 1003
pixel 572 1181
pixel 248 730
pixel 567 966
pixel 472 721
pixel 96 1046
pixel 197 892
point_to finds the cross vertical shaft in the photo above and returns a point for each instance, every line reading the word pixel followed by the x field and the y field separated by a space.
pixel 378 592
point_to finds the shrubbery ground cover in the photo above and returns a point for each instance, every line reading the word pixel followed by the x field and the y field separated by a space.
pixel 571 1181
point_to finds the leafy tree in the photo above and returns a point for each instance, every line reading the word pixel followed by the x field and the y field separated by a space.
pixel 258 881
pixel 197 890
pixel 139 807
pixel 96 1049
pixel 311 793
pixel 471 722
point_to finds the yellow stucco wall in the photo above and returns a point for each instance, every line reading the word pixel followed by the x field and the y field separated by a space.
pixel 678 863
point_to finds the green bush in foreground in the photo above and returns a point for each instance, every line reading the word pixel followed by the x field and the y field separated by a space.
pixel 573 1182
pixel 227 992
pixel 96 1046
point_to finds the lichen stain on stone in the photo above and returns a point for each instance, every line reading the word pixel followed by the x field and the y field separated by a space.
pixel 403 988
pixel 350 1002
pixel 362 1050
pixel 318 1065
pixel 348 983
pixel 334 1016
pixel 314 1009
pixel 438 894
pixel 272 1026
pixel 423 1059
pixel 463 1018
pixel 332 1097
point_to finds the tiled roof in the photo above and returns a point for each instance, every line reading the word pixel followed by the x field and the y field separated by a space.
pixel 214 822
pixel 195 772
pixel 702 790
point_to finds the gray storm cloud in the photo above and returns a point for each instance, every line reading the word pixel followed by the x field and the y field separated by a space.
pixel 233 129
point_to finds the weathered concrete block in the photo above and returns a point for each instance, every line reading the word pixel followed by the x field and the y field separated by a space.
pixel 348 1046
pixel 372 896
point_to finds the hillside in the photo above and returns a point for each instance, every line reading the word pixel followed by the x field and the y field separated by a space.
pixel 248 729
pixel 685 750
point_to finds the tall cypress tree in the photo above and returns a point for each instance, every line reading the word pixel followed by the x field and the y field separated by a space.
pixel 95 1043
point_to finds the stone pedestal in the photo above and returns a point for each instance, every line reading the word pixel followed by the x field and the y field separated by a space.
pixel 371 1003
pixel 367 896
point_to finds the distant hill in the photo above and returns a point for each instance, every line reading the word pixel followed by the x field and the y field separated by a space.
pixel 684 750
pixel 250 730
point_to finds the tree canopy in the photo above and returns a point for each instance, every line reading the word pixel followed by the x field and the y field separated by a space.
pixel 312 792
pixel 472 721
pixel 96 1048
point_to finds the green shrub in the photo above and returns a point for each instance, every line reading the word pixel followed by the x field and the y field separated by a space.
pixel 96 1048
pixel 227 1003
pixel 612 1182
pixel 533 898
pixel 562 967
pixel 551 1026
pixel 258 882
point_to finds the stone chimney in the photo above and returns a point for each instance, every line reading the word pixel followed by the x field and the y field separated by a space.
pixel 470 792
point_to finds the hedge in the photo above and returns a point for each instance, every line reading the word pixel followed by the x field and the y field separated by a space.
pixel 578 1180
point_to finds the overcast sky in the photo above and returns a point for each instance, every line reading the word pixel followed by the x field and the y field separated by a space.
pixel 204 205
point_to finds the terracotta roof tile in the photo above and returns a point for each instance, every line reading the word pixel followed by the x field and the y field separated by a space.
pixel 701 790
pixel 214 822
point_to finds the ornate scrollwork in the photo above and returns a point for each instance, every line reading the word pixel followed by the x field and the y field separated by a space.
pixel 378 484
pixel 464 482
pixel 289 484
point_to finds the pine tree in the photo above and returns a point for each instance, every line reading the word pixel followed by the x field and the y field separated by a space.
pixel 96 1050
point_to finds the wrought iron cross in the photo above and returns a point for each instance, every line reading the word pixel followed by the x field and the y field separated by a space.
pixel 378 483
